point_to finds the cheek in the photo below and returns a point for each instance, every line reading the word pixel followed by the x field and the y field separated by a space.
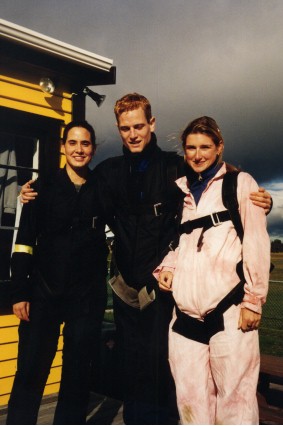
pixel 187 156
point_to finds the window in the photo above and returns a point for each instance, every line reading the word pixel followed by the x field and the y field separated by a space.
pixel 29 145
pixel 18 164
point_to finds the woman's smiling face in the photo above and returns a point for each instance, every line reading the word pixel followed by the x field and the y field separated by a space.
pixel 201 151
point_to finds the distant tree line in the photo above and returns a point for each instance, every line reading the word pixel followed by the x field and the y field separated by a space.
pixel 276 246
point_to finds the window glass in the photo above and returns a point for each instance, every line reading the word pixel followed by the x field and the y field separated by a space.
pixel 18 156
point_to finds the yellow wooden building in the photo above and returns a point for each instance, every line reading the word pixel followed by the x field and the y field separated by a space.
pixel 43 86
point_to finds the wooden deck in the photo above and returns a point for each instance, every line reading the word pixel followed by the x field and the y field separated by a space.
pixel 270 390
pixel 102 411
pixel 108 411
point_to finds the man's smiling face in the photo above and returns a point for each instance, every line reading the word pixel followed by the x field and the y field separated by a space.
pixel 135 130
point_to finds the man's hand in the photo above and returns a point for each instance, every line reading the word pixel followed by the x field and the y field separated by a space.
pixel 27 193
pixel 165 280
pixel 21 310
pixel 262 198
pixel 249 320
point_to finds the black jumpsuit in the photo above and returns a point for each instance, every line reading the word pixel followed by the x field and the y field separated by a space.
pixel 64 280
pixel 141 201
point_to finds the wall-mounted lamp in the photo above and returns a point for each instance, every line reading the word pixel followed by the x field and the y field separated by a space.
pixel 98 99
pixel 47 85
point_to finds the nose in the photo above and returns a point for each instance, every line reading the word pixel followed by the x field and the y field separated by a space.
pixel 133 133
pixel 79 147
pixel 198 154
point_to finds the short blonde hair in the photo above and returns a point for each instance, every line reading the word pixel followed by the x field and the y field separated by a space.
pixel 130 102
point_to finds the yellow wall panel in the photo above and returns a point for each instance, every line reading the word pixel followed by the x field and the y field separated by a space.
pixel 60 343
pixel 8 320
pixel 52 388
pixel 52 385
pixel 55 375
pixel 9 334
pixel 4 399
pixel 6 384
pixel 25 83
pixel 8 351
pixel 8 368
pixel 35 97
pixel 49 389
pixel 36 110
pixel 57 361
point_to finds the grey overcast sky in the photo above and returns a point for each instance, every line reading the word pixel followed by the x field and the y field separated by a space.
pixel 221 58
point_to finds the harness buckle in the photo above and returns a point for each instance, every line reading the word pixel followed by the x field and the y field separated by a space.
pixel 155 208
pixel 94 220
pixel 215 219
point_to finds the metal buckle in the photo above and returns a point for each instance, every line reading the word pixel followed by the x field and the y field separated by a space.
pixel 215 219
pixel 155 208
pixel 94 220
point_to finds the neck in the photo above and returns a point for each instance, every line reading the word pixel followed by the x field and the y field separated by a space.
pixel 78 177
pixel 145 154
pixel 193 176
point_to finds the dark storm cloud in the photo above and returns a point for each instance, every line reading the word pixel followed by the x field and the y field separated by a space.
pixel 275 218
pixel 220 58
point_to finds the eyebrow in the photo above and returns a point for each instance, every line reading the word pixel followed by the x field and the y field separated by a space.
pixel 135 125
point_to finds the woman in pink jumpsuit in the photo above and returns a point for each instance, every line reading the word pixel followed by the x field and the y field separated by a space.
pixel 216 381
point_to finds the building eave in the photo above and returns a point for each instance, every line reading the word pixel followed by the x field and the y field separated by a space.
pixel 54 47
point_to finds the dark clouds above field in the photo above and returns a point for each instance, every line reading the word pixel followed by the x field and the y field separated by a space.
pixel 221 58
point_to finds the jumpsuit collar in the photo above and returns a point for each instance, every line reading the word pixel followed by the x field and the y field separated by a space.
pixel 185 186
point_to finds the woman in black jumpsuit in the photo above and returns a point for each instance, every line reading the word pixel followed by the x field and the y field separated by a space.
pixel 59 268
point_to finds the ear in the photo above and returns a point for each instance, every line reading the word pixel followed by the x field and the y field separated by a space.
pixel 220 148
pixel 152 124
pixel 62 147
pixel 117 125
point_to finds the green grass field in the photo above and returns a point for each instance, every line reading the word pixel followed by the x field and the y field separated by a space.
pixel 271 329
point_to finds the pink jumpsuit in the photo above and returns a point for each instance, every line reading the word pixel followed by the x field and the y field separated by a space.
pixel 216 383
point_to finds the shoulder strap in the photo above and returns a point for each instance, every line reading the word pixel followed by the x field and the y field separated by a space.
pixel 172 173
pixel 230 200
pixel 171 168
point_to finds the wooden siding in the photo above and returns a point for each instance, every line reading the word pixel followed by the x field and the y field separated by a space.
pixel 8 359
pixel 28 97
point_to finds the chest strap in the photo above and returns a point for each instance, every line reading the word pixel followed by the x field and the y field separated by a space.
pixel 213 219
pixel 157 209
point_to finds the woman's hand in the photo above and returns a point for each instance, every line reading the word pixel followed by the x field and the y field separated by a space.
pixel 249 320
pixel 165 280
pixel 21 310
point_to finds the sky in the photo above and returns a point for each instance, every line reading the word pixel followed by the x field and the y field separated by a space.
pixel 221 58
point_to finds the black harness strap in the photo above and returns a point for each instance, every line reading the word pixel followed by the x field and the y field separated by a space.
pixel 156 209
pixel 214 219
pixel 230 201
pixel 213 322
pixel 202 331
pixel 166 203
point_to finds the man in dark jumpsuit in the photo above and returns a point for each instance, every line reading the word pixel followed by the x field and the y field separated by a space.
pixel 59 269
pixel 140 202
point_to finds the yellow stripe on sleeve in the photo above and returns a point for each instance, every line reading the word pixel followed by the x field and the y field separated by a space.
pixel 20 248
